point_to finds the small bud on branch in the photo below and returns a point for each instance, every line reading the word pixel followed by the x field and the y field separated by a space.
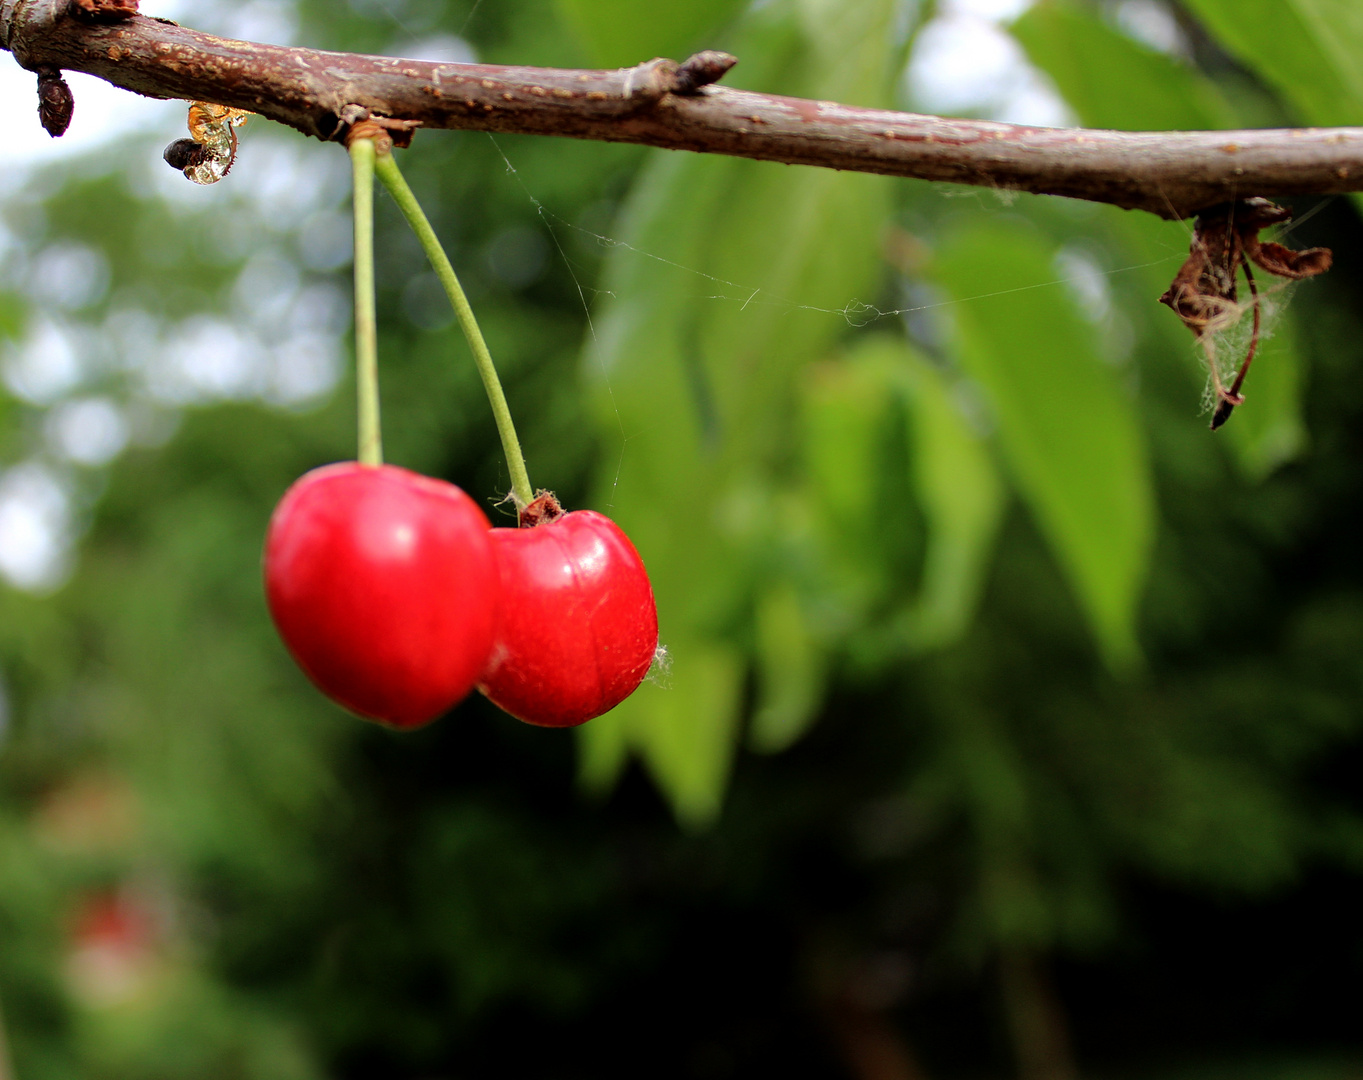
pixel 55 103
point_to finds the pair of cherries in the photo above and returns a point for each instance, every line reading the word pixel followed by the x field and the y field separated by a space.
pixel 397 597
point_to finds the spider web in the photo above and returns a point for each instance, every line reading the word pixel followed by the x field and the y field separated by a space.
pixel 855 312
pixel 1226 346
pixel 1230 336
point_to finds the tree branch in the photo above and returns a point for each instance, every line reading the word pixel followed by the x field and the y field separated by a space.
pixel 659 103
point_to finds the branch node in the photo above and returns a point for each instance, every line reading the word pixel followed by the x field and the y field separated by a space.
pixel 357 122
pixel 350 114
pixel 370 129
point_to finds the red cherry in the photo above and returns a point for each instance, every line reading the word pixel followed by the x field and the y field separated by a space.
pixel 383 585
pixel 578 628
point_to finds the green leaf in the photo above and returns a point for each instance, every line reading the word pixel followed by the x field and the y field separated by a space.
pixel 791 672
pixel 1310 51
pixel 718 298
pixel 962 498
pixel 621 33
pixel 844 409
pixel 1066 428
pixel 12 316
pixel 1112 81
pixel 950 477
pixel 684 726
pixel 603 751
pixel 846 412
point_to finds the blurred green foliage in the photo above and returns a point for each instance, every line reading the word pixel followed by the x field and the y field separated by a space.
pixel 998 689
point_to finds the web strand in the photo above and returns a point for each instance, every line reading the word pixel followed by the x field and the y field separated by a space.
pixel 856 313
pixel 545 217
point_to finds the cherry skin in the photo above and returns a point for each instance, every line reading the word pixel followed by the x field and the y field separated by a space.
pixel 578 625
pixel 383 585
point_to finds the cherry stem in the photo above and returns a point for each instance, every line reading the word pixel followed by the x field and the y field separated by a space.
pixel 366 322
pixel 388 172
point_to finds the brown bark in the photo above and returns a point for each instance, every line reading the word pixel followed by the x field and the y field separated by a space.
pixel 1171 174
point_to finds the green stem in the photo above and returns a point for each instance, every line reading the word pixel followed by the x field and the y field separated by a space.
pixel 366 322
pixel 388 172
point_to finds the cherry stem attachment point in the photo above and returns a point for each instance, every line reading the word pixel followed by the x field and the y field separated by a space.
pixel 362 156
pixel 387 171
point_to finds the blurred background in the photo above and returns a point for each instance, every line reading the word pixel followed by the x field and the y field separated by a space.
pixel 1013 720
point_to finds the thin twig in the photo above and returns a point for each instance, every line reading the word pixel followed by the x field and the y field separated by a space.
pixel 1171 174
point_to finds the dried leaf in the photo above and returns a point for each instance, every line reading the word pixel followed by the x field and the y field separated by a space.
pixel 1203 293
